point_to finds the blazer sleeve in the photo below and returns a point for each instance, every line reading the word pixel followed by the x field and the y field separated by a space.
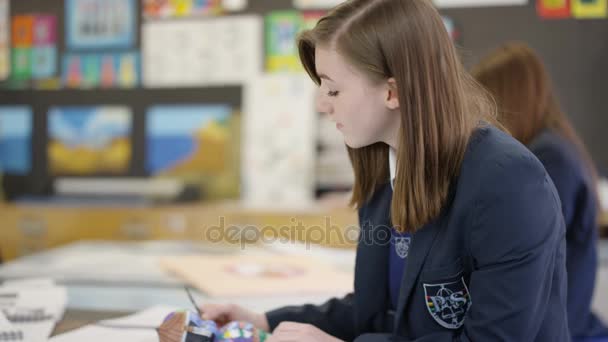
pixel 516 241
pixel 565 177
pixel 334 317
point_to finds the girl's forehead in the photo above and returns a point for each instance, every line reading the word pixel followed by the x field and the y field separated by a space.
pixel 334 66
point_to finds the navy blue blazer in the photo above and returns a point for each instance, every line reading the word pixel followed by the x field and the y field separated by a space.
pixel 491 267
pixel 576 189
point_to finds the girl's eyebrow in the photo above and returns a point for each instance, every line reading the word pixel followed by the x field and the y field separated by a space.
pixel 323 76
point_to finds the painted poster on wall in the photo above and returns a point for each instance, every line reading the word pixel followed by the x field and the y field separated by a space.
pixel 89 140
pixel 100 24
pixel 190 138
pixel 334 170
pixel 282 29
pixel 5 44
pixel 15 139
pixel 195 142
pixel 234 5
pixel 180 8
pixel 22 39
pixel 23 30
pixel 553 9
pixel 44 52
pixel 279 141
pixel 223 51
pixel 316 4
pixel 452 29
pixel 34 52
pixel 478 3
pixel 101 70
pixel 589 9
pixel 310 19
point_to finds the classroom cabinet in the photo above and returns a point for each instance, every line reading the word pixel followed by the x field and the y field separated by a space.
pixel 26 229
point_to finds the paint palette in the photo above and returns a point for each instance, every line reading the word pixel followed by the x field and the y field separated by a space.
pixel 187 326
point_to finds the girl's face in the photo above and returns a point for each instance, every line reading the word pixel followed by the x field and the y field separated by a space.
pixel 364 112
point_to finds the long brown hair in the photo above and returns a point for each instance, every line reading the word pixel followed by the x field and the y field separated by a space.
pixel 521 86
pixel 439 102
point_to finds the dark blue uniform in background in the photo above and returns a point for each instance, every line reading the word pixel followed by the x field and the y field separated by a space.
pixel 576 189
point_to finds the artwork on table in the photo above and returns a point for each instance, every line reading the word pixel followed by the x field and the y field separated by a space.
pixel 187 326
pixel 258 275
pixel 89 140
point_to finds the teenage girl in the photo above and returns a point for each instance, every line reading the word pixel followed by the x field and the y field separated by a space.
pixel 462 235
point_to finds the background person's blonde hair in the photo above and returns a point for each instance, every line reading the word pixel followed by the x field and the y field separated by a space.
pixel 440 104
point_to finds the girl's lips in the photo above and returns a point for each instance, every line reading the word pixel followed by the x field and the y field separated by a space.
pixel 339 125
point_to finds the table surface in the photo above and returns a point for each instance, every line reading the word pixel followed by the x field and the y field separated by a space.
pixel 98 289
pixel 106 279
pixel 74 319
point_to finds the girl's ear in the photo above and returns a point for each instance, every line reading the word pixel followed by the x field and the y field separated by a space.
pixel 392 99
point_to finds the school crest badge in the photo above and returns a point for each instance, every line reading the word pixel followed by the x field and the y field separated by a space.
pixel 448 303
pixel 402 246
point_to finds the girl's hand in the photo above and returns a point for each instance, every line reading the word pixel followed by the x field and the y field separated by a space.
pixel 224 313
pixel 294 332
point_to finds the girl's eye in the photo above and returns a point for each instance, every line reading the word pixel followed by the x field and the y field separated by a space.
pixel 333 93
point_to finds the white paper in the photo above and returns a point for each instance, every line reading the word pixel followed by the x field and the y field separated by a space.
pixel 477 3
pixel 38 302
pixel 52 300
pixel 7 327
pixel 29 283
pixel 152 317
pixel 214 51
pixel 5 59
pixel 92 333
pixel 279 139
pixel 110 330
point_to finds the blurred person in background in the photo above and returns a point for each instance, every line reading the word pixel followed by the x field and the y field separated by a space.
pixel 528 108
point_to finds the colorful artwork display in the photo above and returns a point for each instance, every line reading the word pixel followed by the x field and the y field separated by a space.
pixel 89 140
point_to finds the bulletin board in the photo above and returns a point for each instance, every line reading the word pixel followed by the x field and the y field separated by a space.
pixel 574 50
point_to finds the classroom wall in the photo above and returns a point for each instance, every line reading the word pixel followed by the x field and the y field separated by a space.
pixel 575 51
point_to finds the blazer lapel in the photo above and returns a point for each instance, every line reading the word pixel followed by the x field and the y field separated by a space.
pixel 422 241
pixel 371 269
